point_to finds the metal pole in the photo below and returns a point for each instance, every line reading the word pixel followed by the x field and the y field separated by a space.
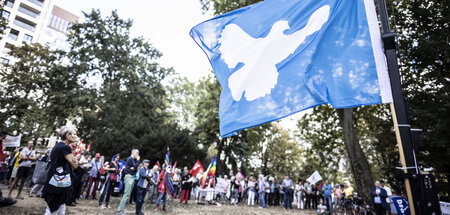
pixel 399 114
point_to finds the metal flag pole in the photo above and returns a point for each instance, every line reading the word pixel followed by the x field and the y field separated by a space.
pixel 399 115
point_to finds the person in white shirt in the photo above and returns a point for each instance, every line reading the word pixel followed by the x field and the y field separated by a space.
pixel 389 193
pixel 26 156
pixel 299 190
pixel 251 191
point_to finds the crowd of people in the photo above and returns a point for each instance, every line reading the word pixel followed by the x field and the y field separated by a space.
pixel 73 175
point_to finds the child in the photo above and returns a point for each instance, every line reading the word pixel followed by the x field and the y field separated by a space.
pixel 321 208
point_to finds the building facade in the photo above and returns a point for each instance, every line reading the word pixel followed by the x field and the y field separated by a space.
pixel 31 21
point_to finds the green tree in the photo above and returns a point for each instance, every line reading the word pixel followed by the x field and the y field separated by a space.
pixel 275 150
pixel 38 91
pixel 424 53
pixel 127 106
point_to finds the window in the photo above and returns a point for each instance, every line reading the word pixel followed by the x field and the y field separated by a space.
pixel 21 22
pixel 27 38
pixel 5 14
pixel 29 11
pixel 7 48
pixel 9 3
pixel 4 60
pixel 37 2
pixel 13 34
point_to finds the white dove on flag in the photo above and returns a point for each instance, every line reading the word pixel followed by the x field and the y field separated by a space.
pixel 260 55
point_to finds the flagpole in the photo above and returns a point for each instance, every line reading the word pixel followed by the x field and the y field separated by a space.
pixel 399 115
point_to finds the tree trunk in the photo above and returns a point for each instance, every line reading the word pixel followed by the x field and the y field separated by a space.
pixel 358 160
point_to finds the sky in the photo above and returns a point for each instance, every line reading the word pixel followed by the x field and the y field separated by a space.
pixel 166 24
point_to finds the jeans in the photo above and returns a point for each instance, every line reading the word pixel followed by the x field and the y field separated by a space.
pixel 152 193
pixel 140 199
pixel 329 204
pixel 94 191
pixel 262 200
pixel 106 191
pixel 162 196
pixel 288 198
pixel 129 181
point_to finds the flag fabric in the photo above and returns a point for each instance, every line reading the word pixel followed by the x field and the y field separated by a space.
pixel 209 174
pixel 89 146
pixel 278 57
pixel 78 150
pixel 314 178
pixel 166 177
pixel 196 168
pixel 401 205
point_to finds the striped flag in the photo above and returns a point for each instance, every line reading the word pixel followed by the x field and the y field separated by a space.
pixel 167 176
pixel 210 172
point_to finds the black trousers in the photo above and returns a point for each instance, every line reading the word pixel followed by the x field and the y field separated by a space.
pixel 379 210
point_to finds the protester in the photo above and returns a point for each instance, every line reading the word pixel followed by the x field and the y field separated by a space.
pixel 57 192
pixel 113 170
pixel 133 196
pixel 131 166
pixel 4 201
pixel 389 193
pixel 153 185
pixel 378 196
pixel 321 207
pixel 197 185
pixel 251 191
pixel 176 182
pixel 287 187
pixel 37 188
pixel 299 193
pixel 27 155
pixel 144 176
pixel 314 195
pixel 327 189
pixel 262 191
pixel 185 186
pixel 162 194
pixel 94 176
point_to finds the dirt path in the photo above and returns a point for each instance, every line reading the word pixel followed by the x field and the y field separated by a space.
pixel 34 205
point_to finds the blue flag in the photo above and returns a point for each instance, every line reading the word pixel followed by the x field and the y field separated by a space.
pixel 401 205
pixel 279 57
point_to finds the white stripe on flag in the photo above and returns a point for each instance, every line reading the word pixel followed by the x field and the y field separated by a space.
pixel 378 53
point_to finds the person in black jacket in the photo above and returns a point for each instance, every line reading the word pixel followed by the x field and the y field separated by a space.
pixel 185 186
pixel 378 196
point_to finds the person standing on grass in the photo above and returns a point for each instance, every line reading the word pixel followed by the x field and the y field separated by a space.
pixel 327 190
pixel 287 187
pixel 153 185
pixel 27 155
pixel 129 171
pixel 251 191
pixel 144 176
pixel 37 188
pixel 185 186
pixel 111 180
pixel 94 176
pixel 58 188
pixel 262 191
pixel 378 196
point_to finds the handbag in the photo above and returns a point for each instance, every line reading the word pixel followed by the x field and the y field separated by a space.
pixel 113 175
pixel 62 181
pixel 40 172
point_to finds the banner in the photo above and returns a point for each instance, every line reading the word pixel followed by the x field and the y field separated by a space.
pixel 401 205
pixel 12 141
pixel 314 178
pixel 445 208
